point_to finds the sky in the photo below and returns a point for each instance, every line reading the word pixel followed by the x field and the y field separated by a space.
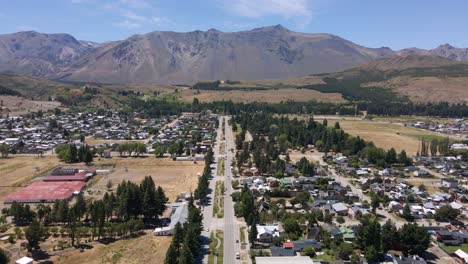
pixel 373 23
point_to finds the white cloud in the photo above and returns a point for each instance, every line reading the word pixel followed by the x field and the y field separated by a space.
pixel 234 25
pixel 128 24
pixel 26 28
pixel 131 16
pixel 135 3
pixel 82 1
pixel 261 8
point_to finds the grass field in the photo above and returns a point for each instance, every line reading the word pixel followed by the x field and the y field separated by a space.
pixel 268 96
pixel 220 169
pixel 17 171
pixel 218 206
pixel 452 249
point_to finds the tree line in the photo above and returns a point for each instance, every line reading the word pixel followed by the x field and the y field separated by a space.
pixel 70 153
pixel 203 188
pixel 185 247
pixel 375 239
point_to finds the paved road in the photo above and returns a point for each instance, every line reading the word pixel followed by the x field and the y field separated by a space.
pixel 230 226
pixel 210 223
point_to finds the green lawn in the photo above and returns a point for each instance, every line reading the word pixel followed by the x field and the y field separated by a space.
pixel 325 257
pixel 221 166
pixel 213 244
pixel 452 249
pixel 220 236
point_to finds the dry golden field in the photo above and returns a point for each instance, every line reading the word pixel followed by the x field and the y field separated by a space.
pixel 429 89
pixel 15 106
pixel 384 132
pixel 173 176
pixel 268 96
pixel 144 249
pixel 387 135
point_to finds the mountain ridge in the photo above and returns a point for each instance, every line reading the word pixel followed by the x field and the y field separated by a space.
pixel 272 52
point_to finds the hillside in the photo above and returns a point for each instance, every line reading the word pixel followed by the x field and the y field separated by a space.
pixel 32 87
pixel 420 78
pixel 39 54
pixel 164 57
pixel 263 53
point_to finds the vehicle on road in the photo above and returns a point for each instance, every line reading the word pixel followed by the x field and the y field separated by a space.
pixel 237 255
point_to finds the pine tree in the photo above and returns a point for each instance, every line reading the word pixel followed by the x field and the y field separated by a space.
pixel 414 239
pixel 80 206
pixel 34 233
pixel 172 257
pixel 186 256
pixel 4 257
pixel 390 237
pixel 253 232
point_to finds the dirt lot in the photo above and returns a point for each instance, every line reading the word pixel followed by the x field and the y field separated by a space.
pixel 313 156
pixel 18 105
pixel 17 171
pixel 269 96
pixel 144 249
pixel 173 176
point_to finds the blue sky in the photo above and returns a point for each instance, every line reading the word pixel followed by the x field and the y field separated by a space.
pixel 373 23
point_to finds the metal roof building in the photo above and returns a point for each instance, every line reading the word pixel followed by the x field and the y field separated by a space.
pixel 45 192
pixel 179 216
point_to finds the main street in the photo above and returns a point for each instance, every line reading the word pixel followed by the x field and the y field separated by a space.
pixel 209 222
pixel 230 226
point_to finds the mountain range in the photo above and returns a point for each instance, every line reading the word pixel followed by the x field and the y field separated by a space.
pixel 170 57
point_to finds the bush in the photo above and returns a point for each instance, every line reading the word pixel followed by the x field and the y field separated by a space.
pixel 309 251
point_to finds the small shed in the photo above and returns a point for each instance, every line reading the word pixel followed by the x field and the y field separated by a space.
pixel 24 260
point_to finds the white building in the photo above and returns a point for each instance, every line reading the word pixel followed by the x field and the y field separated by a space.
pixel 179 216
pixel 24 260
pixel 266 234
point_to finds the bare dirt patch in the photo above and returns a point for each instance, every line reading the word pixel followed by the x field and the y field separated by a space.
pixel 173 176
pixel 268 96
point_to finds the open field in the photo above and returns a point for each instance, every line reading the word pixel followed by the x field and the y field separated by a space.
pixel 17 171
pixel 384 134
pixel 96 141
pixel 173 176
pixel 15 106
pixel 268 96
pixel 429 89
pixel 144 249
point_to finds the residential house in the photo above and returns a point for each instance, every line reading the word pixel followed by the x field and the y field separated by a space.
pixel 449 183
pixel 265 234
